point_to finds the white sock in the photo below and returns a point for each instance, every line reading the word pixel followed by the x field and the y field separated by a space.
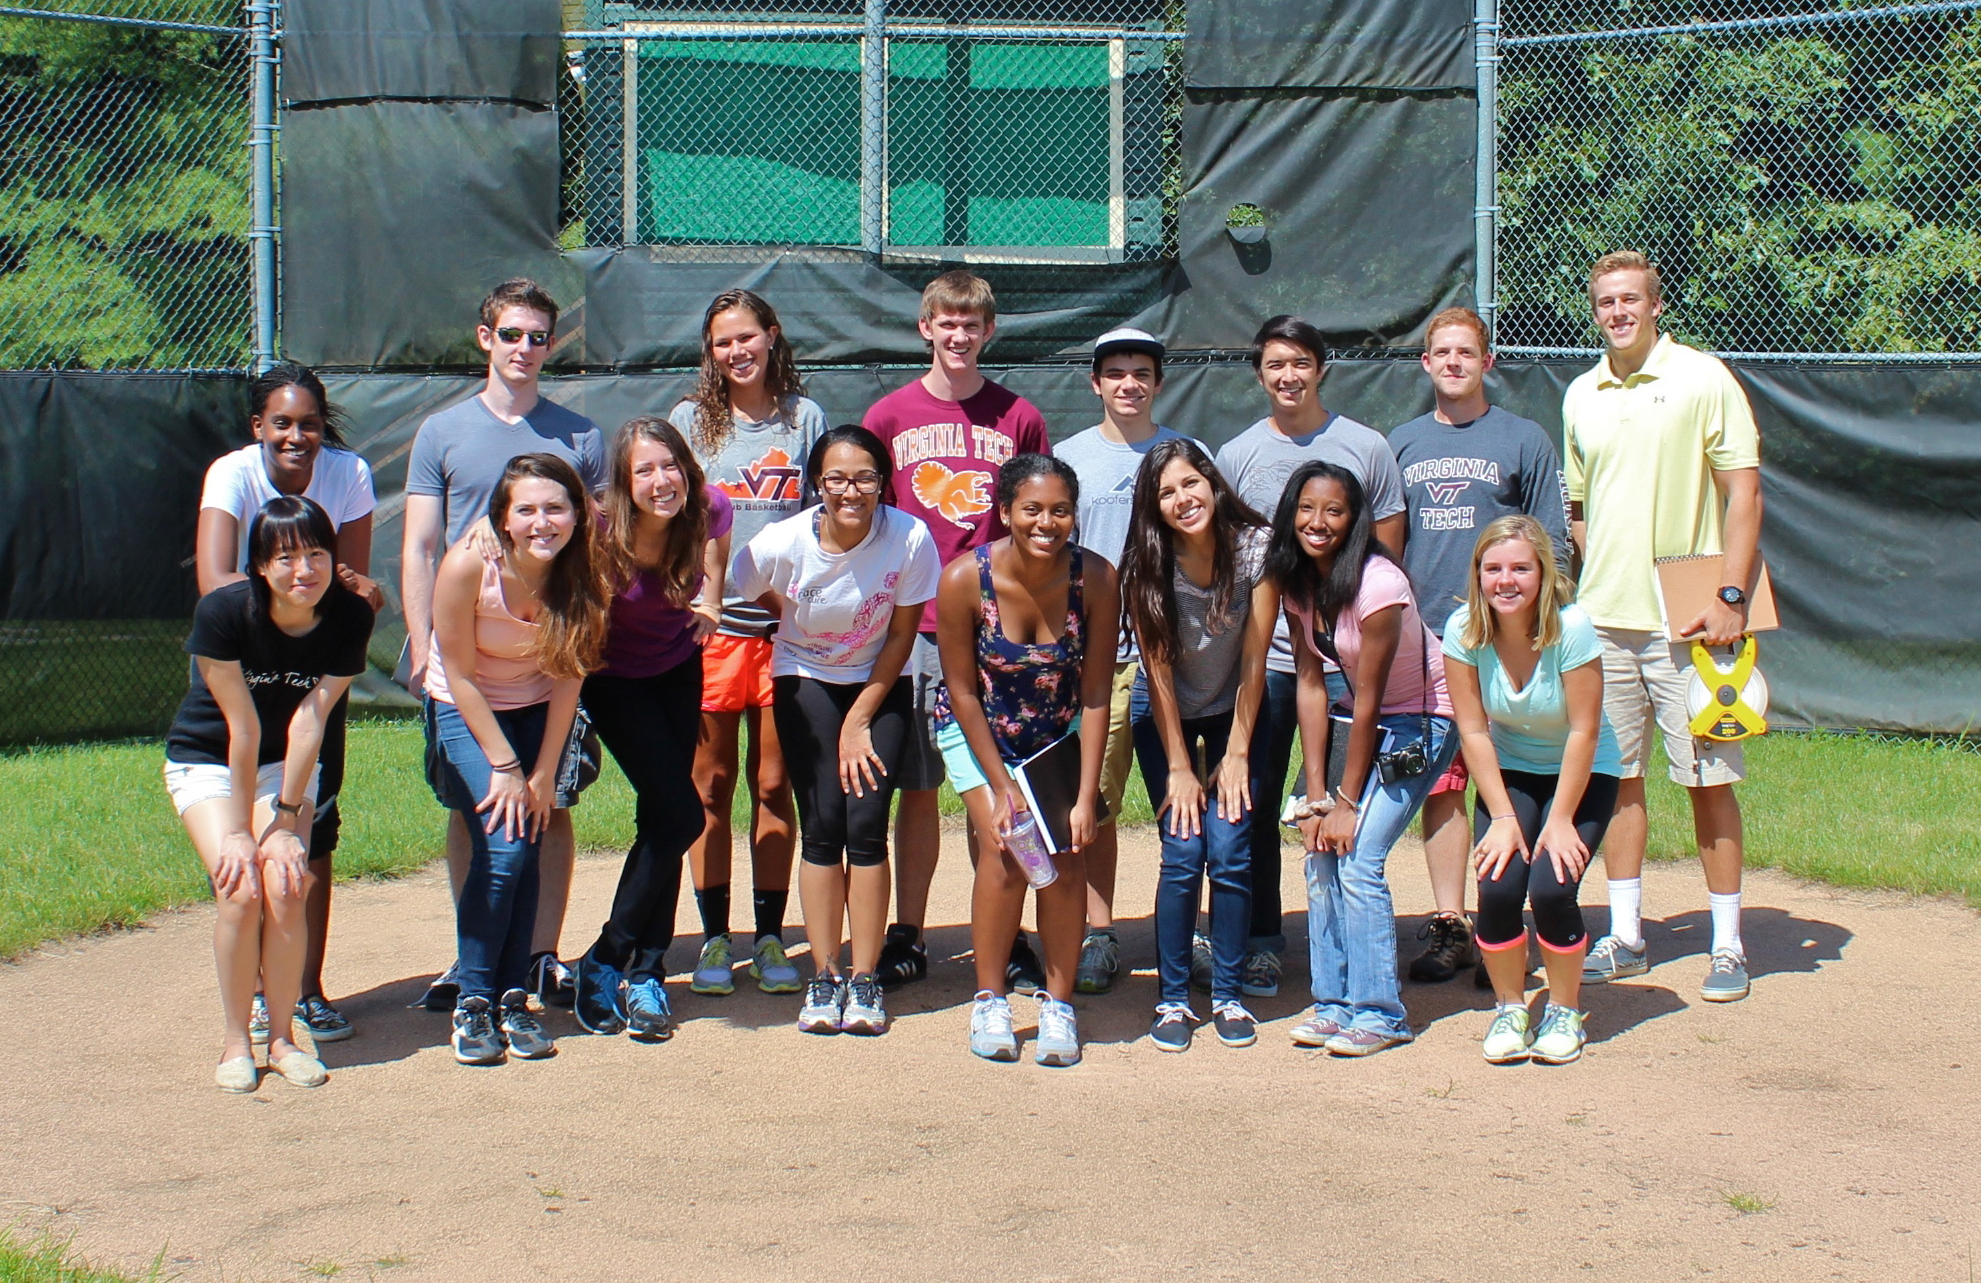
pixel 1726 923
pixel 1626 911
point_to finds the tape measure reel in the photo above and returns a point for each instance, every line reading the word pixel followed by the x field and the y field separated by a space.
pixel 1727 700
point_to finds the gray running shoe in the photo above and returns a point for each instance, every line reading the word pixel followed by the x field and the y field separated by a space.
pixel 866 1012
pixel 476 1039
pixel 258 1022
pixel 1260 976
pixel 1611 959
pixel 647 1013
pixel 773 970
pixel 1173 1026
pixel 713 970
pixel 1100 958
pixel 527 1039
pixel 825 999
pixel 990 1027
pixel 1726 978
pixel 1059 1033
pixel 1201 963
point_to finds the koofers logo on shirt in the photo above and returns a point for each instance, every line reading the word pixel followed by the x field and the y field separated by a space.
pixel 772 478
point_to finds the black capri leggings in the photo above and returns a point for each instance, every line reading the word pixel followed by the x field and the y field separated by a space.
pixel 1557 916
pixel 650 724
pixel 835 824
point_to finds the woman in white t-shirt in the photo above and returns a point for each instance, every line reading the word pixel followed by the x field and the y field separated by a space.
pixel 296 451
pixel 1526 672
pixel 1348 600
pixel 848 580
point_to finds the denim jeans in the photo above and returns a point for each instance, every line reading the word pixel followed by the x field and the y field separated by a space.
pixel 1351 925
pixel 497 911
pixel 1272 754
pixel 1222 849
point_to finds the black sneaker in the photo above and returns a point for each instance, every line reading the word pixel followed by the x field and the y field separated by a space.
pixel 1172 1026
pixel 1024 973
pixel 550 981
pixel 904 957
pixel 1451 949
pixel 1100 958
pixel 1236 1027
pixel 442 993
pixel 325 1022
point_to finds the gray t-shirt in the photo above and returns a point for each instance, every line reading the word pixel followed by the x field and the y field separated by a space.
pixel 1107 496
pixel 1460 478
pixel 1258 461
pixel 460 452
pixel 761 467
pixel 1207 663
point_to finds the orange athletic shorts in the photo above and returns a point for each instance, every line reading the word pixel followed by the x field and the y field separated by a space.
pixel 735 673
pixel 1454 780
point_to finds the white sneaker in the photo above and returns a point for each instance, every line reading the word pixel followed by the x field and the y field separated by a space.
pixel 990 1027
pixel 825 999
pixel 1507 1041
pixel 865 1011
pixel 1059 1033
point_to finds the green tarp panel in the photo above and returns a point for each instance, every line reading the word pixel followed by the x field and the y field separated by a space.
pixel 1346 44
pixel 357 50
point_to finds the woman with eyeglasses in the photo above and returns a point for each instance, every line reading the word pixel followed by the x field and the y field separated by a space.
pixel 847 580
pixel 297 450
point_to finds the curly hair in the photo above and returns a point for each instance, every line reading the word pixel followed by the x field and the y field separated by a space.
pixel 714 420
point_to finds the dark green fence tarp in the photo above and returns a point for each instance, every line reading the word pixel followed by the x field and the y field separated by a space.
pixel 1347 44
pixel 355 50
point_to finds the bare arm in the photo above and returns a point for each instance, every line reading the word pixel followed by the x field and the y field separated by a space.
pixel 1183 795
pixel 237 864
pixel 455 588
pixel 418 552
pixel 354 561
pixel 708 603
pixel 1582 689
pixel 857 759
pixel 1720 623
pixel 1503 840
pixel 1103 603
pixel 1393 530
pixel 1310 698
pixel 215 548
pixel 285 842
pixel 1381 634
pixel 1234 773
pixel 959 608
pixel 1578 535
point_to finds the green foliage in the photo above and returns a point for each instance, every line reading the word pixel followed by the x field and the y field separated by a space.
pixel 124 193
pixel 47 1259
pixel 1801 190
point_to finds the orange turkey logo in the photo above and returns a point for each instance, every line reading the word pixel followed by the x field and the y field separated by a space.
pixel 958 496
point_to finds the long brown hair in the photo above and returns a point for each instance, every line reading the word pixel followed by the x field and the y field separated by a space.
pixel 571 628
pixel 714 420
pixel 681 554
pixel 1148 562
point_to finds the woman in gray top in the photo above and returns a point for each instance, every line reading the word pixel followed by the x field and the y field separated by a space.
pixel 1194 590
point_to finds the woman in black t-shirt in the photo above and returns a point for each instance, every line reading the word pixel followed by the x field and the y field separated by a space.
pixel 275 652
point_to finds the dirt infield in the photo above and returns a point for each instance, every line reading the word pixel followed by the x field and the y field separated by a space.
pixel 1838 1106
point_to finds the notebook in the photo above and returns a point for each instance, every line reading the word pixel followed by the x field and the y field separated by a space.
pixel 1687 585
pixel 1050 781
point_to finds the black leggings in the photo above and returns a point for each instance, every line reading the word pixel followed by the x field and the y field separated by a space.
pixel 835 824
pixel 650 724
pixel 1557 916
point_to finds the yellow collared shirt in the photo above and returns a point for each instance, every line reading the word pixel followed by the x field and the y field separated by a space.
pixel 1639 455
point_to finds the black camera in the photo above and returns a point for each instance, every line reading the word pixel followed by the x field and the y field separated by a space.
pixel 1405 762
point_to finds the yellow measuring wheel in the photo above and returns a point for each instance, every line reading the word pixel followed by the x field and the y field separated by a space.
pixel 1727 701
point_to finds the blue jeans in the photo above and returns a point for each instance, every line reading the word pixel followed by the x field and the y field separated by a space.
pixel 1351 926
pixel 1222 850
pixel 497 911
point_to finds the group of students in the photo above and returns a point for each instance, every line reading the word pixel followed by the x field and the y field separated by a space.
pixel 935 593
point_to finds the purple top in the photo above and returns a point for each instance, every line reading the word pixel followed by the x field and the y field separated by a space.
pixel 650 634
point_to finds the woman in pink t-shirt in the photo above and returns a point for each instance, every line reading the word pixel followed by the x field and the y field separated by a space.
pixel 1348 600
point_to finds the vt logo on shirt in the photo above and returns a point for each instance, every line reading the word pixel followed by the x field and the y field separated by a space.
pixel 958 496
pixel 772 478
pixel 1446 491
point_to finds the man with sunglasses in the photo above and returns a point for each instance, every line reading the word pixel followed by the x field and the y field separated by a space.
pixel 458 455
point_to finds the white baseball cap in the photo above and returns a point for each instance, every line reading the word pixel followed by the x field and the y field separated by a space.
pixel 1128 339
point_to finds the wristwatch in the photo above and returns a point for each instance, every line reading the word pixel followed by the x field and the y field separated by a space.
pixel 1732 596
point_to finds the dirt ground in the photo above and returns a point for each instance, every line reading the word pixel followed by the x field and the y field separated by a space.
pixel 1839 1103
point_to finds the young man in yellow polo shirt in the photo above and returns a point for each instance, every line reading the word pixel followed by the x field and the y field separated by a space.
pixel 1662 460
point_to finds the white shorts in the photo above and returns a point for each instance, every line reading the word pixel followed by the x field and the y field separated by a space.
pixel 1644 679
pixel 191 783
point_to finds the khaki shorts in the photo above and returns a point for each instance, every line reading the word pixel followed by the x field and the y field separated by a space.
pixel 1120 757
pixel 1644 680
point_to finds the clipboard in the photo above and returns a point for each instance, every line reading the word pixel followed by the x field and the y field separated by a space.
pixel 1050 781
pixel 1687 585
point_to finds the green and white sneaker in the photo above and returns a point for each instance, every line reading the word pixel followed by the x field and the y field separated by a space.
pixel 1726 978
pixel 1611 959
pixel 1560 1038
pixel 773 970
pixel 1507 1042
pixel 713 974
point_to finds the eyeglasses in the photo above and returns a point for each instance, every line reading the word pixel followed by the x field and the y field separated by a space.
pixel 516 334
pixel 865 483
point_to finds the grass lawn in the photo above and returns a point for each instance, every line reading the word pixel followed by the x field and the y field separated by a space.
pixel 48 1260
pixel 89 840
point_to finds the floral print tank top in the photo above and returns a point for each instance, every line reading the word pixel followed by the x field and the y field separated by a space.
pixel 1031 694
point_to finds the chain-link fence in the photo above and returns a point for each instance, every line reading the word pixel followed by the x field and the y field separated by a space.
pixel 1807 175
pixel 124 185
pixel 1012 130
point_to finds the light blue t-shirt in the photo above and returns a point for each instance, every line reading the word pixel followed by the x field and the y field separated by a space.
pixel 1530 725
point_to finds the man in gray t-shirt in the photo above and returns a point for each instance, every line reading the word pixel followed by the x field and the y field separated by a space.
pixel 460 452
pixel 1288 357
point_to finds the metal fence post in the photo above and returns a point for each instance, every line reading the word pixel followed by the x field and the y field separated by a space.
pixel 1485 186
pixel 873 129
pixel 261 184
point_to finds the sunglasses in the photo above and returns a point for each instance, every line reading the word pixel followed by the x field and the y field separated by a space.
pixel 516 334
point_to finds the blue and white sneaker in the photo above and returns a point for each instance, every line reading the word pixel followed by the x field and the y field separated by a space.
pixel 647 1012
pixel 865 1011
pixel 825 999
pixel 991 1035
pixel 527 1038
pixel 600 1005
pixel 1059 1033
pixel 476 1040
